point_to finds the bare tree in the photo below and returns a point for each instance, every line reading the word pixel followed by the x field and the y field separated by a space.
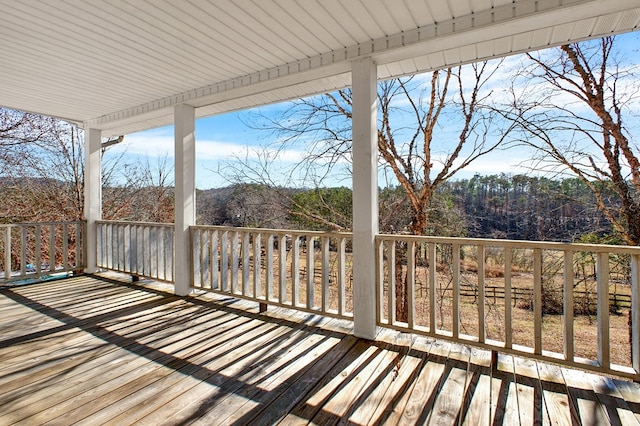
pixel 42 175
pixel 574 105
pixel 429 129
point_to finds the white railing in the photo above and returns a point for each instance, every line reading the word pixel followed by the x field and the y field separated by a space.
pixel 576 304
pixel 38 250
pixel 137 248
pixel 304 270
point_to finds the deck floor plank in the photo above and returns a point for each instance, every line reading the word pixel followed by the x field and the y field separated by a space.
pixel 393 412
pixel 505 406
pixel 589 409
pixel 425 391
pixel 560 408
pixel 530 398
pixel 609 396
pixel 379 387
pixel 477 405
pixel 448 403
pixel 99 350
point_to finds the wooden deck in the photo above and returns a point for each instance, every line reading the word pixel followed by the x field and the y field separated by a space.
pixel 92 350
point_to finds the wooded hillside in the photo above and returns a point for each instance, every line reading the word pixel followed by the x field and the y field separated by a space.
pixel 497 206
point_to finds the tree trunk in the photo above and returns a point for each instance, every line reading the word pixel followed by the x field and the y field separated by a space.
pixel 418 227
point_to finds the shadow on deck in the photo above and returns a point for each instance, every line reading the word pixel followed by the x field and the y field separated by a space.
pixel 97 350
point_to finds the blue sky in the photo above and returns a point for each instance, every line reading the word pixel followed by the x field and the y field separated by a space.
pixel 225 142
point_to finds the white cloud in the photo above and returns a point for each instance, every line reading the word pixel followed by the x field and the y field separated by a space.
pixel 154 144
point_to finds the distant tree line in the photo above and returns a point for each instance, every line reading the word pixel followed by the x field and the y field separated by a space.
pixel 497 206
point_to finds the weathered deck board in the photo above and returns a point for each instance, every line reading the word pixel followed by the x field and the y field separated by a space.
pixel 476 409
pixel 95 350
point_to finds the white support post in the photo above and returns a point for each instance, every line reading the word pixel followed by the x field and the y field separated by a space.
pixel 365 195
pixel 185 195
pixel 92 195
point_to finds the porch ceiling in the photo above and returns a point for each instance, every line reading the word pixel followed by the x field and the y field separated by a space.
pixel 121 66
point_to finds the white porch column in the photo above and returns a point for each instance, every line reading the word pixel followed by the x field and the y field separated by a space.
pixel 185 194
pixel 92 194
pixel 365 195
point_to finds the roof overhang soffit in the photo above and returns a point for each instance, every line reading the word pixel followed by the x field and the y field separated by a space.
pixel 511 20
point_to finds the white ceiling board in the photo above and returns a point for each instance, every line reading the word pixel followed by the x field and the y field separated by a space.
pixel 119 65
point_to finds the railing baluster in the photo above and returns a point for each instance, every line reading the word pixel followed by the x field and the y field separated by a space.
pixel 7 252
pixel 635 312
pixel 269 274
pixel 508 328
pixel 432 289
pixel 133 249
pixel 144 247
pixel 155 257
pixel 537 301
pixel 257 265
pixel 481 294
pixel 380 280
pixel 100 245
pixel 214 264
pixel 325 274
pixel 80 244
pixel 127 247
pixel 115 249
pixel 170 252
pixel 224 269
pixel 567 308
pixel 140 250
pixel 52 248
pixel 162 274
pixel 118 252
pixel 197 244
pixel 117 264
pixel 295 270
pixel 246 258
pixel 411 283
pixel 311 272
pixel 234 261
pixel 603 309
pixel 23 251
pixel 108 247
pixel 391 292
pixel 282 260
pixel 38 249
pixel 205 262
pixel 455 274
pixel 341 274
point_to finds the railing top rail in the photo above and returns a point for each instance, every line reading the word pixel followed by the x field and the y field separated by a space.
pixel 544 245
pixel 275 231
pixel 138 223
pixel 23 224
